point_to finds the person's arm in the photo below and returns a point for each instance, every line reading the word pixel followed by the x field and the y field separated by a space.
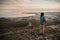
pixel 45 20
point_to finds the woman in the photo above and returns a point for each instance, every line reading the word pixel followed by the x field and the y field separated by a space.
pixel 42 22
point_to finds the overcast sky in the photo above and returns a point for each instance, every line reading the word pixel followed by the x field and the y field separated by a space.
pixel 14 8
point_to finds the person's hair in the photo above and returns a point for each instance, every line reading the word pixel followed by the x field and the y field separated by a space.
pixel 42 13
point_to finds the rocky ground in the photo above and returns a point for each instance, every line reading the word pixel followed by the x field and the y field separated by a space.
pixel 31 33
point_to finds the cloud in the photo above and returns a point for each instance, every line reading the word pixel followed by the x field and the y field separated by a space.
pixel 14 8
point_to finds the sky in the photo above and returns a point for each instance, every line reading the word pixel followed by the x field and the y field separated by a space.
pixel 15 8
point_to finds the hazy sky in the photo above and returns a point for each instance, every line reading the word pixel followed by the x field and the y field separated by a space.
pixel 14 8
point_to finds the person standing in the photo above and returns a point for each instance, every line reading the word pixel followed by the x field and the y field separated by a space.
pixel 42 22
